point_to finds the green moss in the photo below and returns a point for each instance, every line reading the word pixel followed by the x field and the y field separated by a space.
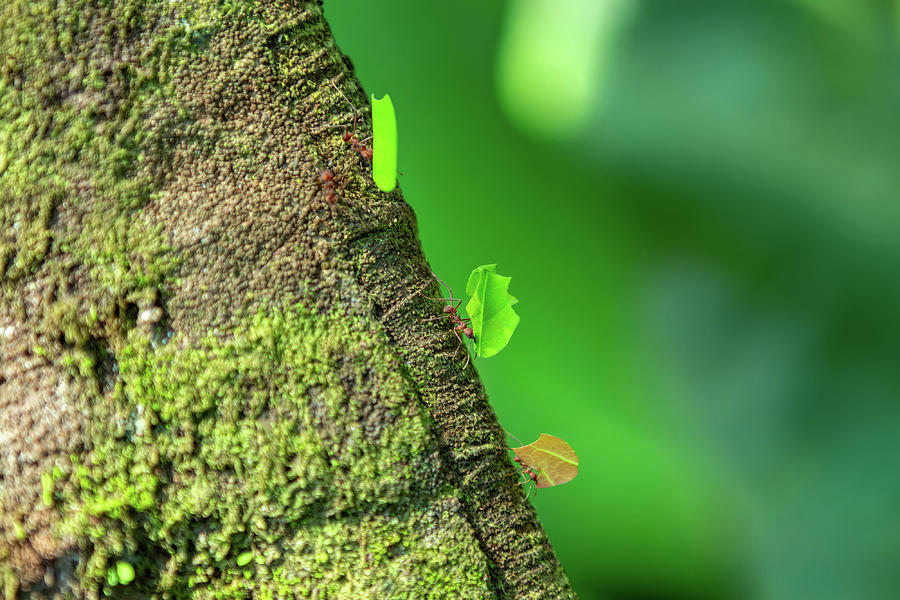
pixel 10 583
pixel 19 531
pixel 124 572
pixel 292 436
pixel 72 183
pixel 261 438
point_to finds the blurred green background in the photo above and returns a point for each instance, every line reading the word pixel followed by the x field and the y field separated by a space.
pixel 698 204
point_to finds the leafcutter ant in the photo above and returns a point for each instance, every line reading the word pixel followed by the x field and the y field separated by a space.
pixel 327 178
pixel 532 476
pixel 349 137
pixel 460 325
pixel 528 474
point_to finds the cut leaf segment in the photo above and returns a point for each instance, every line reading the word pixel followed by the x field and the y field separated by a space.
pixel 553 459
pixel 490 308
pixel 384 143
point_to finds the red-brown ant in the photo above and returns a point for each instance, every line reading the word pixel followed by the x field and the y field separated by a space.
pixel 460 325
pixel 327 178
pixel 531 473
pixel 526 470
pixel 350 136
pixel 357 144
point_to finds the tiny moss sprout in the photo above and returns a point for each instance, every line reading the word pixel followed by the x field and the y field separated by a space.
pixel 121 573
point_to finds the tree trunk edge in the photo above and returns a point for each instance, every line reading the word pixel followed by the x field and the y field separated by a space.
pixel 359 255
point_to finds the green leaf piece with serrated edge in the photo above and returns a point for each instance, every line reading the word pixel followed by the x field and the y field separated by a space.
pixel 384 143
pixel 490 308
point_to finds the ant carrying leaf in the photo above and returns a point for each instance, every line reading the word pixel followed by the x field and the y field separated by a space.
pixel 383 152
pixel 490 309
pixel 548 461
pixel 350 137
pixel 460 325
pixel 491 319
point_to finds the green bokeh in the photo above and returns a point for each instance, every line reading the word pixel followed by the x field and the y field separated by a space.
pixel 707 276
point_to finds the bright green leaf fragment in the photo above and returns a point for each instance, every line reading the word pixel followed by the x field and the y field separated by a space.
pixel 490 308
pixel 125 572
pixel 384 143
pixel 244 558
pixel 553 459
pixel 47 488
pixel 111 577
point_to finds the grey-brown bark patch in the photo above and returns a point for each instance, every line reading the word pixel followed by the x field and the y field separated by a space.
pixel 40 425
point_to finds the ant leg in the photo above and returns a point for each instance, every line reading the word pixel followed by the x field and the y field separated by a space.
pixel 452 300
pixel 528 493
pixel 444 284
pixel 514 437
pixel 458 345
pixel 438 318
pixel 456 333
pixel 339 91
pixel 462 345
pixel 524 482
pixel 352 108
pixel 407 299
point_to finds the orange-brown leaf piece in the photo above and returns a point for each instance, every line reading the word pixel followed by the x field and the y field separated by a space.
pixel 553 459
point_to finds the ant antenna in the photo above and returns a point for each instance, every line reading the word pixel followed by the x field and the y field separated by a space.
pixel 350 136
pixel 350 104
pixel 513 437
pixel 442 281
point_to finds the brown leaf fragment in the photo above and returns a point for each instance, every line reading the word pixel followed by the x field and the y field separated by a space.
pixel 553 459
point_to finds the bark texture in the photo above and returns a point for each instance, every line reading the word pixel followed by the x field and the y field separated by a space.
pixel 209 371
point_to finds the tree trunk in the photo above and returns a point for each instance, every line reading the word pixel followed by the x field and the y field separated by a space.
pixel 212 374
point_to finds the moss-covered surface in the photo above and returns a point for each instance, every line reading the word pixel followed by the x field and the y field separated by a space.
pixel 296 441
pixel 213 375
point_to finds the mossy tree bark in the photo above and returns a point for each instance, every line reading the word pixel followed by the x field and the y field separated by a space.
pixel 210 372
